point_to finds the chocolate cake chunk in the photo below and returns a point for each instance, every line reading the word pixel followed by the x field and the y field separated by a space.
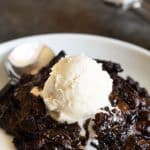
pixel 129 127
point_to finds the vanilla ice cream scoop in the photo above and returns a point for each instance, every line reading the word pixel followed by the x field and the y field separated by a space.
pixel 31 57
pixel 76 89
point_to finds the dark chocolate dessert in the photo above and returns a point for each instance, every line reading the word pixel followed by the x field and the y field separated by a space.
pixel 24 116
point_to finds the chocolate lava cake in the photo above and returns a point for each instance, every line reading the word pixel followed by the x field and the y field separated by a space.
pixel 24 116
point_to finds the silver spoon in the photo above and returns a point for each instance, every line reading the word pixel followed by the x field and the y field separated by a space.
pixel 14 73
pixel 140 7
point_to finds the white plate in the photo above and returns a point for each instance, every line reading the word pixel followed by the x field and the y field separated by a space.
pixel 135 60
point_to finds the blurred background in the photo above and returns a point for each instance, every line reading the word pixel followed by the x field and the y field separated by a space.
pixel 28 17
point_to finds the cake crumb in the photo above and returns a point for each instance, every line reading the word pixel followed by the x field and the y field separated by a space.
pixel 35 91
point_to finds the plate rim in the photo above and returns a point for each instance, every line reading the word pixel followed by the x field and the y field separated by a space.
pixel 132 47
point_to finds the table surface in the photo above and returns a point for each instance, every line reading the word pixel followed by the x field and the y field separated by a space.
pixel 27 17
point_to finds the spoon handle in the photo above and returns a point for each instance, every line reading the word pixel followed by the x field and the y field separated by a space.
pixel 6 88
pixel 145 14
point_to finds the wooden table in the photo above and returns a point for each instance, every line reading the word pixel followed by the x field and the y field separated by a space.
pixel 27 17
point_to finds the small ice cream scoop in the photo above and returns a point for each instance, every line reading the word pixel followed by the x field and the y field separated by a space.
pixel 76 89
pixel 30 58
pixel 26 58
